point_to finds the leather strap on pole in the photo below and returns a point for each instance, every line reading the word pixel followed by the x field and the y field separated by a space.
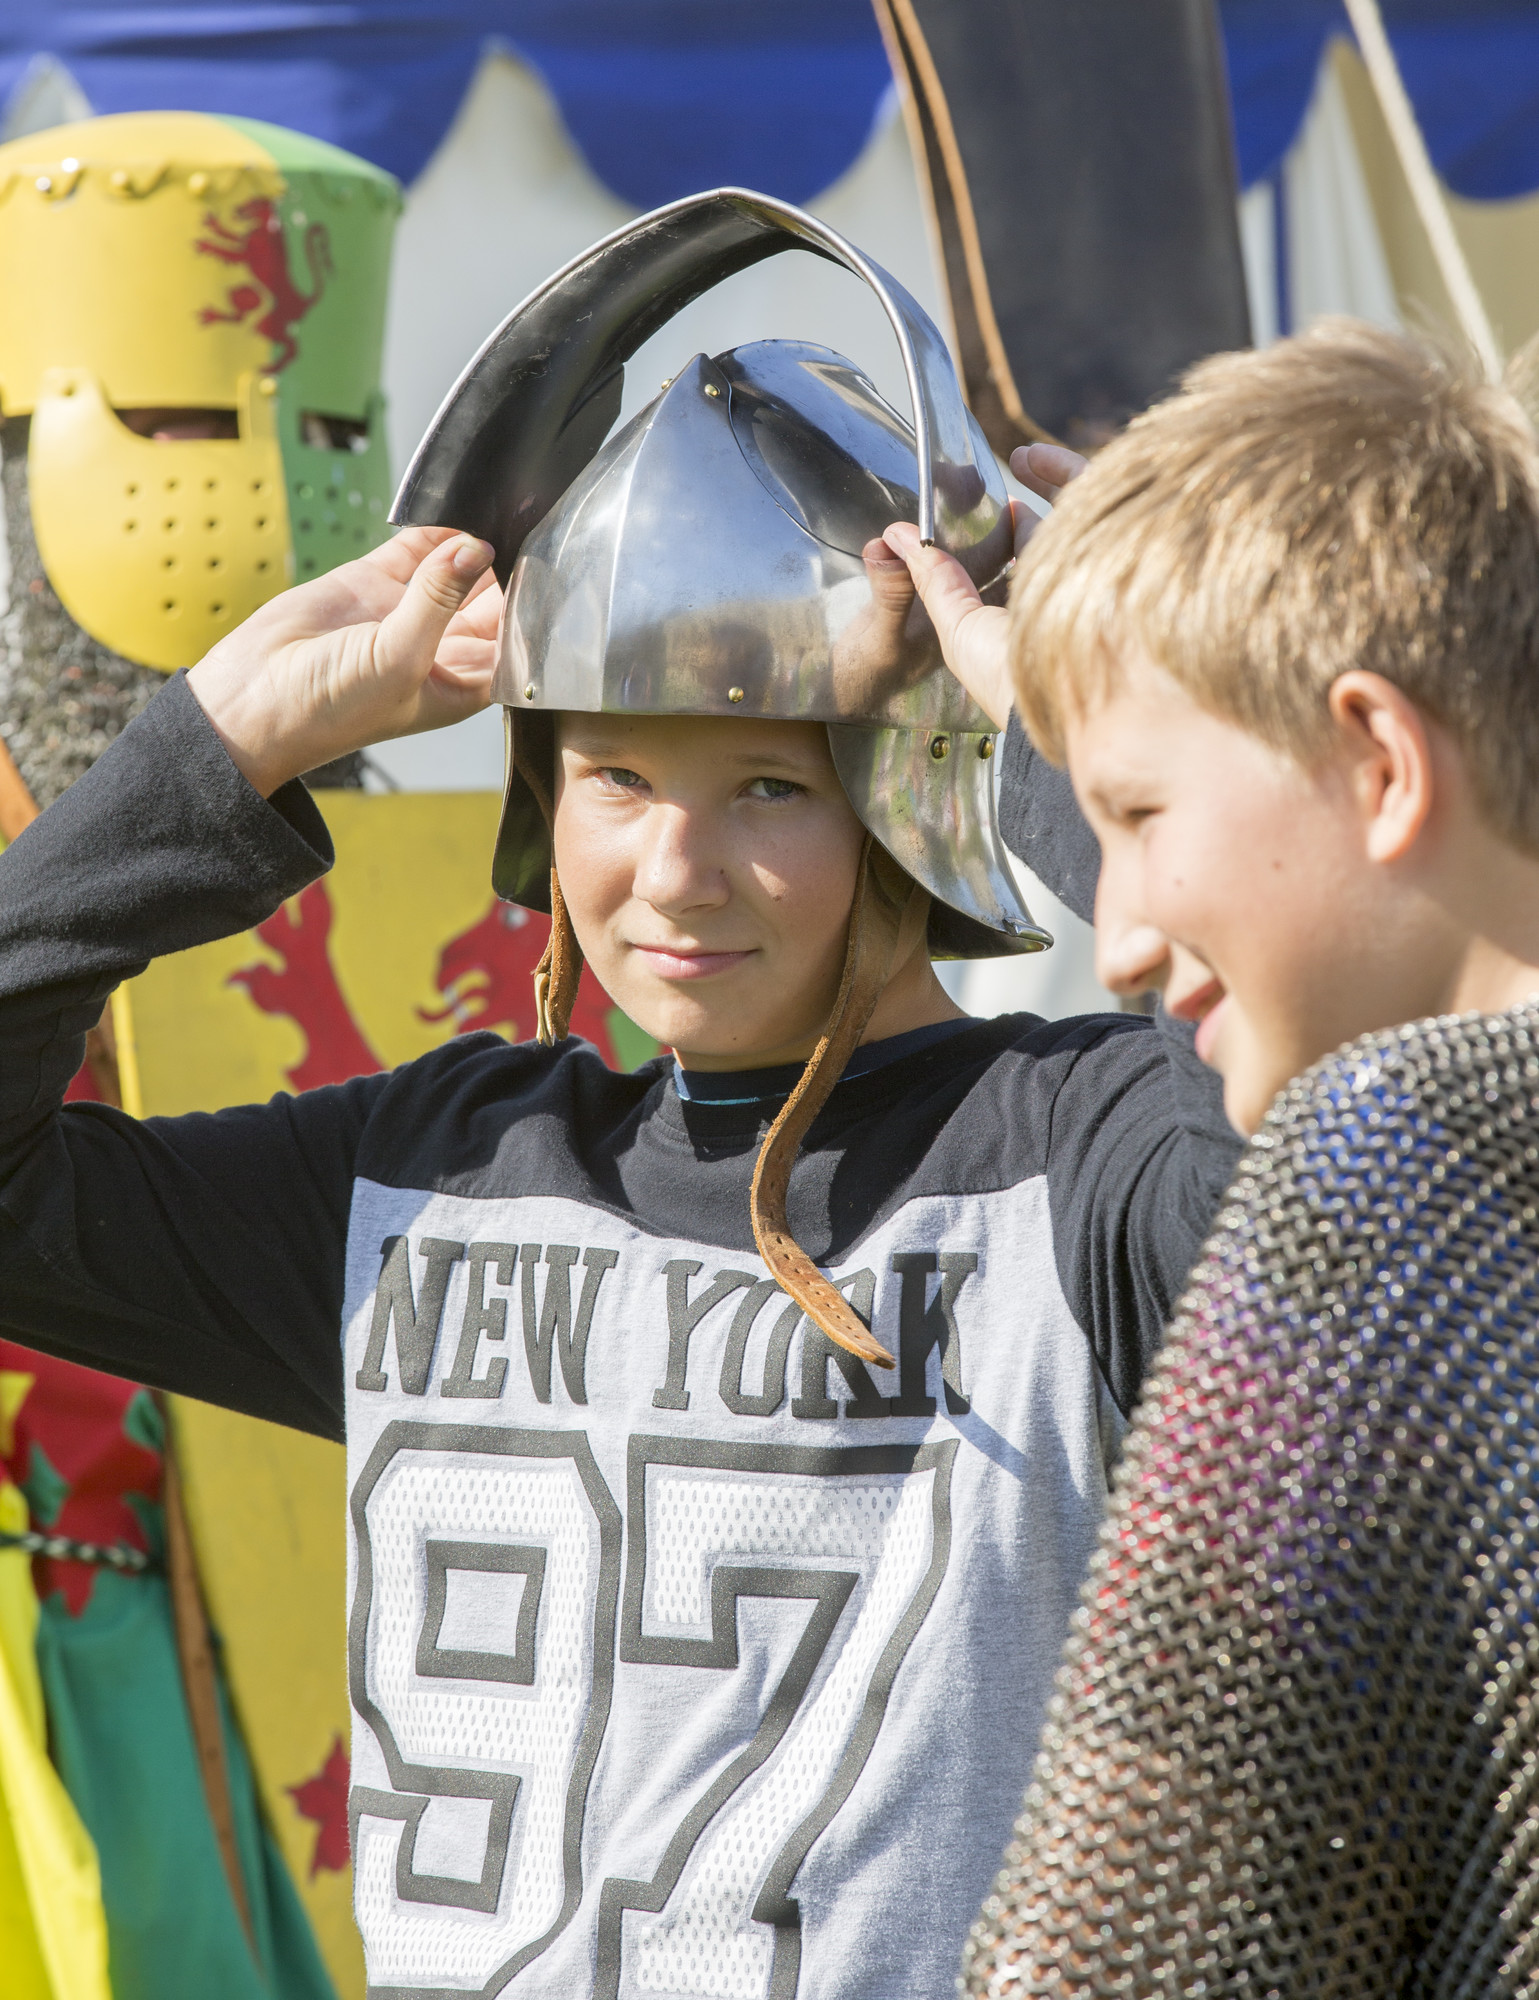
pixel 886 923
pixel 992 394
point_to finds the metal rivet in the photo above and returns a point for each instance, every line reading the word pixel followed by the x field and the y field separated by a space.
pixel 70 166
pixel 197 183
pixel 667 382
pixel 986 747
pixel 734 694
pixel 529 692
pixel 119 177
pixel 711 389
pixel 940 746
pixel 43 183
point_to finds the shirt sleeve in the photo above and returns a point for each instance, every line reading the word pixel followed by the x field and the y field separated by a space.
pixel 1140 1151
pixel 202 1254
pixel 1139 1157
pixel 1042 824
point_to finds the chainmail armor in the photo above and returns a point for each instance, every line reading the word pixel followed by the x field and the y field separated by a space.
pixel 1295 1747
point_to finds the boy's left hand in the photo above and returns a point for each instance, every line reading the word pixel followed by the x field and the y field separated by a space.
pixel 973 635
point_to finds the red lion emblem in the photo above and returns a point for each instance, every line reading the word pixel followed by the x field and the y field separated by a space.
pixel 260 249
pixel 486 976
pixel 303 988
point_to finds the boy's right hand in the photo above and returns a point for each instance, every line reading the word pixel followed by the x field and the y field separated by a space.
pixel 974 635
pixel 402 640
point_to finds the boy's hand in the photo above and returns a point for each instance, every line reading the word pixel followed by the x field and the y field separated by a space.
pixel 402 640
pixel 973 634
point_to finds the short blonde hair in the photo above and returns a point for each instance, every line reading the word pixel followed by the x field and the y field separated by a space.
pixel 1347 498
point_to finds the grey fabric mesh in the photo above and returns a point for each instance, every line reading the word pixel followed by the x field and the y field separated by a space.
pixel 1295 1748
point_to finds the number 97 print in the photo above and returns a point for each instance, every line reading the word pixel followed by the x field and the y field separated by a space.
pixel 487 1706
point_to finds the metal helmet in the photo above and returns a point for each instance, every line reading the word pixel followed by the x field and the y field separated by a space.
pixel 167 260
pixel 707 559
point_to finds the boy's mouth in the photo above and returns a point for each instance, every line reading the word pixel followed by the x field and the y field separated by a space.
pixel 686 962
pixel 1205 1005
pixel 1210 1026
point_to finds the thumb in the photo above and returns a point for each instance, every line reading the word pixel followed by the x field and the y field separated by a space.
pixel 409 637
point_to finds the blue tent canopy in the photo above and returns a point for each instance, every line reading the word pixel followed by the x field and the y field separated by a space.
pixel 667 96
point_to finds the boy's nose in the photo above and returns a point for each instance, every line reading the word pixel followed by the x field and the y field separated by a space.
pixel 1130 958
pixel 678 870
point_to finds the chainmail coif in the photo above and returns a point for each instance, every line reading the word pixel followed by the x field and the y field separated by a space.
pixel 1295 1747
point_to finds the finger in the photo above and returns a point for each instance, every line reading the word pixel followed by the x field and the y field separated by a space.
pixel 892 587
pixel 408 639
pixel 1024 523
pixel 480 614
pixel 1046 469
pixel 947 592
pixel 403 552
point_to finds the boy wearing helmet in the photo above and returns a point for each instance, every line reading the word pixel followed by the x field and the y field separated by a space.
pixel 726 1440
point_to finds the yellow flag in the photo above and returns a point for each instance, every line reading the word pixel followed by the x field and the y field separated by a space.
pixel 53 1933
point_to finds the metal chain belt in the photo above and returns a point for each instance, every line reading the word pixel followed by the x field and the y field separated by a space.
pixel 1295 1746
pixel 63 1548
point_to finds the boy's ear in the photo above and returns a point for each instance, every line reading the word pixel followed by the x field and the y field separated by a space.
pixel 1388 743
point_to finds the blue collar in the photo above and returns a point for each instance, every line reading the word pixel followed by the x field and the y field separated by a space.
pixel 753 1086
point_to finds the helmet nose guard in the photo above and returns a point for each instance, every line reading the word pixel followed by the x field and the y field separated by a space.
pixel 707 559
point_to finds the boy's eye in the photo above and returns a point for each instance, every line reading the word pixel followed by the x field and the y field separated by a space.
pixel 772 788
pixel 616 774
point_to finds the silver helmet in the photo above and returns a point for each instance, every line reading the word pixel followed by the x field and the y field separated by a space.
pixel 707 559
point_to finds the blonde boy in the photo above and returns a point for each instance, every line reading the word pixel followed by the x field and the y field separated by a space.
pixel 1285 633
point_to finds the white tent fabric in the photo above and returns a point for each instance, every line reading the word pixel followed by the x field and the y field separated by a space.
pixel 1335 256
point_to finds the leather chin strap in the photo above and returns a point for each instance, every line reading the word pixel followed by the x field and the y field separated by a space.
pixel 886 924
pixel 557 974
pixel 560 966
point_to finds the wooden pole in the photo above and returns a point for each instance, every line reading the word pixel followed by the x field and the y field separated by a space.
pixel 1421 178
pixel 200 1681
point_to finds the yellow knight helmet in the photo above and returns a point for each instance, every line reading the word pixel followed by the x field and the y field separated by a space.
pixel 191 315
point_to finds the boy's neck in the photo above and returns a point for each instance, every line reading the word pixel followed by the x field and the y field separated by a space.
pixel 1495 906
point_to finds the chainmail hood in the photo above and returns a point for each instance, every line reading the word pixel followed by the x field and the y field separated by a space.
pixel 1295 1748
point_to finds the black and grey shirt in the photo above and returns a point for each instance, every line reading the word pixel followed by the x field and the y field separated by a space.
pixel 688 1654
